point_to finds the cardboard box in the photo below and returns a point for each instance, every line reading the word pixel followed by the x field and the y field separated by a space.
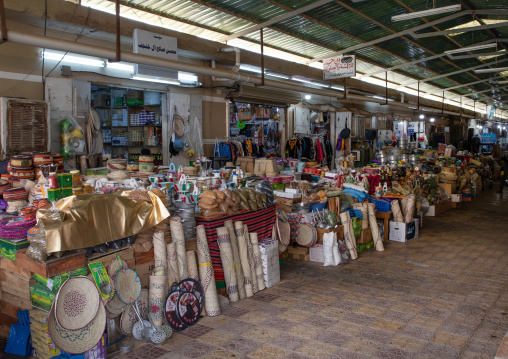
pixel 144 271
pixel 402 232
pixel 298 250
pixel 439 208
pixel 419 217
pixel 456 198
pixel 246 163
pixel 316 253
pixel 447 187
pixel 287 201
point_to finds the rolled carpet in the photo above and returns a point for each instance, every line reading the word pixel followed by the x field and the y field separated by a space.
pixel 206 275
pixel 240 280
pixel 226 256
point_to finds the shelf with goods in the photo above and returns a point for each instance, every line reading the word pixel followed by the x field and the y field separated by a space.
pixel 254 117
pixel 130 120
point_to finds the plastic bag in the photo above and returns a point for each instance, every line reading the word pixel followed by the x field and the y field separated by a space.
pixel 37 249
pixel 72 138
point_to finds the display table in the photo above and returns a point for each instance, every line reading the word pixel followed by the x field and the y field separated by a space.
pixel 386 216
pixel 260 221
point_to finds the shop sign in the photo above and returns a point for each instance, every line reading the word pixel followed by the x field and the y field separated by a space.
pixel 489 138
pixel 339 66
pixel 155 45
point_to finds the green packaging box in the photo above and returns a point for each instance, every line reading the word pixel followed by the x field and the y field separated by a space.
pixel 41 297
pixel 54 283
pixel 54 195
pixel 65 192
pixel 8 249
pixel 64 180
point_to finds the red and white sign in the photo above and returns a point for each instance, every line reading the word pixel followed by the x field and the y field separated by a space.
pixel 339 66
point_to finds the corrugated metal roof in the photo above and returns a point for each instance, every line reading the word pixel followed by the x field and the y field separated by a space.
pixel 328 29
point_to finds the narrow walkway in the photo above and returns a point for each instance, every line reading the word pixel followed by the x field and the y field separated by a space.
pixel 443 295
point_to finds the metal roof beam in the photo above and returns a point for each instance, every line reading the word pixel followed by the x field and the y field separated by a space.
pixel 407 31
pixel 401 66
pixel 491 89
pixel 464 85
pixel 456 72
pixel 393 36
pixel 276 20
pixel 456 31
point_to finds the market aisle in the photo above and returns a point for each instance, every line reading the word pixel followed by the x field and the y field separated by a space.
pixel 443 295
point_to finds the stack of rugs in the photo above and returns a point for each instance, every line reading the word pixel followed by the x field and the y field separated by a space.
pixel 241 259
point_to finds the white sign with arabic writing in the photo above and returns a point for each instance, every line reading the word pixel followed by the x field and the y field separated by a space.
pixel 339 66
pixel 156 45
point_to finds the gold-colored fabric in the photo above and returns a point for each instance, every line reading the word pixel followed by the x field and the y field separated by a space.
pixel 92 219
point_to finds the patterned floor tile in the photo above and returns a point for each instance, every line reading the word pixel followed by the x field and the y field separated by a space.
pixel 304 331
pixel 269 352
pixel 295 315
pixel 333 338
pixel 287 341
pixel 234 312
pixel 417 332
pixel 242 345
pixel 397 316
pixel 195 349
pixel 236 326
pixel 254 317
pixel 359 318
pixel 221 353
pixel 346 354
pixel 217 337
pixel 381 336
pixel 317 350
pixel 320 322
pixel 362 346
pixel 407 343
pixel 146 352
pixel 261 334
pixel 196 331
pixel 450 339
pixel 388 325
pixel 389 352
pixel 438 350
pixel 347 328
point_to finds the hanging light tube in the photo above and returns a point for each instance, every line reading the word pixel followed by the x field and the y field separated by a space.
pixel 155 79
pixel 471 48
pixel 497 69
pixel 424 13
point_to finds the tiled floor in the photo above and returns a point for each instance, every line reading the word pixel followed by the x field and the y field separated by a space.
pixel 443 295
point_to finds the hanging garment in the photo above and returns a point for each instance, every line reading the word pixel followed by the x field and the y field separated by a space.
pixel 319 151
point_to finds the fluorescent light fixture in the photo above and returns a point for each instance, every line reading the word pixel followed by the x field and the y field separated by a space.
pixel 338 88
pixel 504 127
pixel 502 82
pixel 499 126
pixel 120 66
pixel 73 59
pixel 432 119
pixel 155 79
pixel 187 78
pixel 430 12
pixel 471 48
pixel 307 97
pixel 422 116
pixel 250 68
pixel 496 69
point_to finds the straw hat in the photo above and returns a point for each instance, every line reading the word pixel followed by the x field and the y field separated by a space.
pixel 308 235
pixel 77 341
pixel 178 125
pixel 230 165
pixel 282 248
pixel 77 303
pixel 129 317
pixel 128 286
pixel 115 307
pixel 272 174
pixel 284 231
